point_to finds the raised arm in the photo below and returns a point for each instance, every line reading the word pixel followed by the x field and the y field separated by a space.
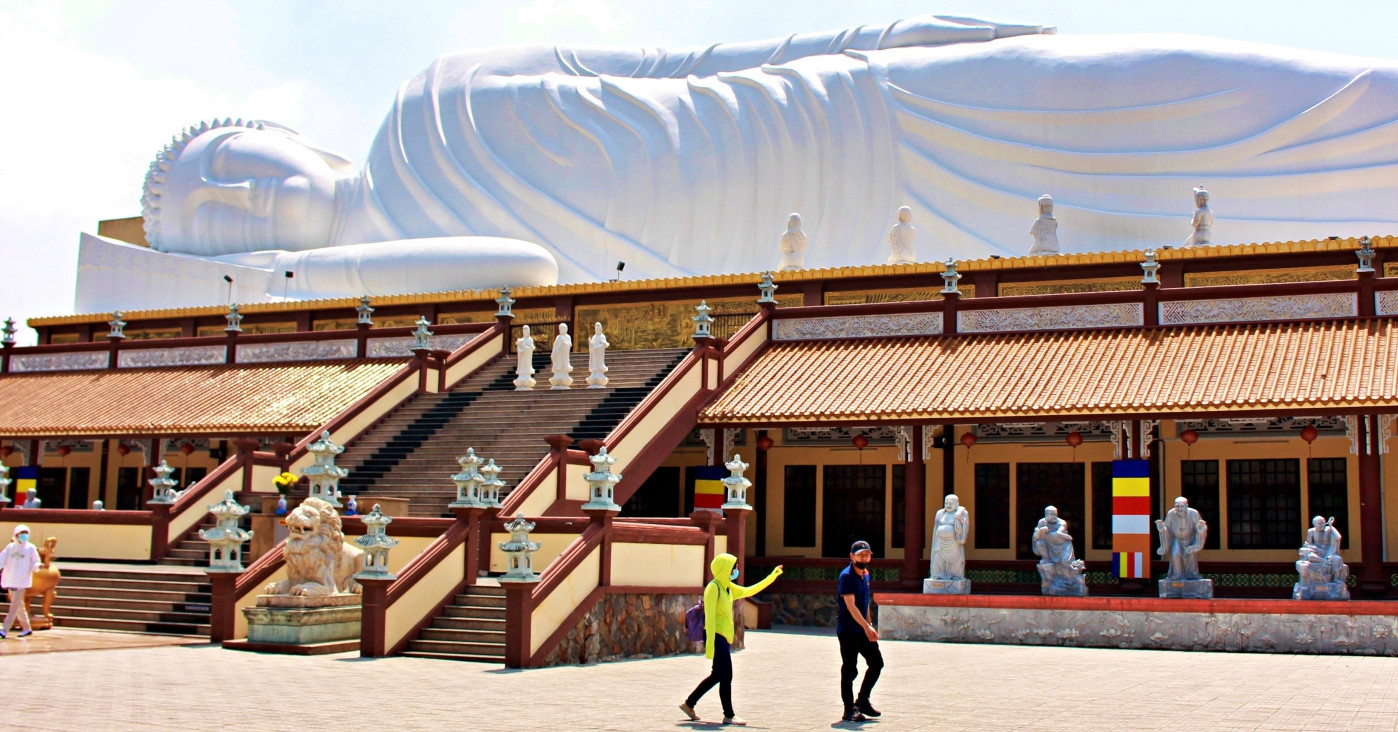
pixel 739 592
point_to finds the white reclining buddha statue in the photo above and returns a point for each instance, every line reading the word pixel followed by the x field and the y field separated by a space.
pixel 534 164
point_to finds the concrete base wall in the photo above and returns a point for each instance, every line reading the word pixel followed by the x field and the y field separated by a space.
pixel 1263 631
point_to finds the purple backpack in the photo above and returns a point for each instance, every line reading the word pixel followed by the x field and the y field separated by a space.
pixel 694 622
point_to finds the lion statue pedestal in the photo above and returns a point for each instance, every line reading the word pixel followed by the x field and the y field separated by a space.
pixel 319 601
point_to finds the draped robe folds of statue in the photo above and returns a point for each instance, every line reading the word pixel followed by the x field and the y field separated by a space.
pixel 676 161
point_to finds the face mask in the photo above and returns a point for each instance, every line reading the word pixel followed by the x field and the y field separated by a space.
pixel 861 566
pixel 23 538
pixel 733 576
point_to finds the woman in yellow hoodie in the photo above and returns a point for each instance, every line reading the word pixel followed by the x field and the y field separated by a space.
pixel 719 596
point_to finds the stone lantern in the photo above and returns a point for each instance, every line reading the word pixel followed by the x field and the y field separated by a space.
pixel 163 484
pixel 768 288
pixel 235 319
pixel 736 484
pixel 422 336
pixel 506 304
pixel 601 483
pixel 469 482
pixel 1150 267
pixel 116 324
pixel 324 475
pixel 376 543
pixel 703 322
pixel 520 551
pixel 490 487
pixel 9 332
pixel 5 482
pixel 226 537
pixel 1365 253
pixel 365 310
pixel 950 277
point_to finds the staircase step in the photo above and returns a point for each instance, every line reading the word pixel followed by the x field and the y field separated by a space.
pixel 500 658
pixel 473 637
pixel 474 612
pixel 133 626
pixel 492 651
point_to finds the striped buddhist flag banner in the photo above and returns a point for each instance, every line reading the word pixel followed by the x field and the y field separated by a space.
pixel 1130 518
pixel 708 487
pixel 26 477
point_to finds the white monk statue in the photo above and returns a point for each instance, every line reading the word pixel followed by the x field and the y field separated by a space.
pixel 562 359
pixel 1202 221
pixel 544 144
pixel 1060 571
pixel 597 358
pixel 949 532
pixel 1045 229
pixel 1182 536
pixel 900 238
pixel 524 365
pixel 1323 572
pixel 793 244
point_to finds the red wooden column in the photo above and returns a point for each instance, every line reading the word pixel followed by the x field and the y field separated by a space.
pixel 223 605
pixel 373 632
pixel 914 510
pixel 1373 581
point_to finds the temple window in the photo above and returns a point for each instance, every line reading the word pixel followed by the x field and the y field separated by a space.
pixel 992 504
pixel 799 502
pixel 1049 484
pixel 854 508
pixel 1327 487
pixel 1101 505
pixel 1264 504
pixel 1199 486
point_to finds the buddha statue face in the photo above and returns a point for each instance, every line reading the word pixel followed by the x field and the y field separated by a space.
pixel 237 189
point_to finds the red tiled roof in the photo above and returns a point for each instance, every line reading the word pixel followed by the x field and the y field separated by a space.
pixel 212 400
pixel 1174 370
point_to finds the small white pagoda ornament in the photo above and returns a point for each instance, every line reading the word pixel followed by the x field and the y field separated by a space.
pixel 324 475
pixel 1150 267
pixel 703 322
pixel 5 482
pixel 1365 253
pixel 422 337
pixel 365 311
pixel 9 331
pixel 235 319
pixel 768 288
pixel 520 551
pixel 226 537
pixel 376 542
pixel 162 485
pixel 117 324
pixel 950 277
pixel 506 303
pixel 469 481
pixel 602 483
pixel 736 484
pixel 491 485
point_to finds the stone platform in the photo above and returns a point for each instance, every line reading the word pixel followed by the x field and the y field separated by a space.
pixel 1263 626
pixel 280 620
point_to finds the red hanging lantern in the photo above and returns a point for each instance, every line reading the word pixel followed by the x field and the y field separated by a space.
pixel 1074 439
pixel 764 443
pixel 969 440
pixel 123 449
pixel 860 441
pixel 187 448
pixel 1189 437
pixel 7 451
pixel 64 450
pixel 1309 433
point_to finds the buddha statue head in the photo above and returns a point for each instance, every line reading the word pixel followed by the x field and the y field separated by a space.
pixel 241 186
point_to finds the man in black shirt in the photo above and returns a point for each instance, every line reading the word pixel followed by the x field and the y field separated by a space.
pixel 857 636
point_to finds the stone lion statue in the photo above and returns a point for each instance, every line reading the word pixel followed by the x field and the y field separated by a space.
pixel 318 561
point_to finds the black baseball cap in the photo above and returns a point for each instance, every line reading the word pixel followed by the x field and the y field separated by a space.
pixel 860 546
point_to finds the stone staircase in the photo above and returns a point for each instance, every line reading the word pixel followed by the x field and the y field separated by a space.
pixel 472 628
pixel 412 452
pixel 135 598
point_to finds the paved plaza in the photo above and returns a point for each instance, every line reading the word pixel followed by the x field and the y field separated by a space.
pixel 785 680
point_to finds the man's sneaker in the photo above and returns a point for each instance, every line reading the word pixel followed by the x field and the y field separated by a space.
pixel 736 721
pixel 868 709
pixel 854 715
pixel 2 635
pixel 684 707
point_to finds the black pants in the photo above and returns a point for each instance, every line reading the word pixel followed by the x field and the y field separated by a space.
pixel 722 674
pixel 851 648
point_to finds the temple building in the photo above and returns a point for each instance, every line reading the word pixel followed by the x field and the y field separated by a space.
pixel 1258 381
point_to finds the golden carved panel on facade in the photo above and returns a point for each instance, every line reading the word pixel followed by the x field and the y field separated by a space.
pixel 1269 276
pixel 205 331
pixel 865 297
pixel 1390 269
pixel 636 326
pixel 1062 287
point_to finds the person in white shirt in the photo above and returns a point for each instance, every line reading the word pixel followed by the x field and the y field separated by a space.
pixel 18 560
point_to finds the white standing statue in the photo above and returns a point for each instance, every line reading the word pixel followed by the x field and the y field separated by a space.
pixel 959 114
pixel 1045 229
pixel 1202 221
pixel 793 244
pixel 562 362
pixel 524 366
pixel 597 358
pixel 900 238
pixel 949 532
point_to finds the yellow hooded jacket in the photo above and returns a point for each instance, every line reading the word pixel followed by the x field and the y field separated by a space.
pixel 718 613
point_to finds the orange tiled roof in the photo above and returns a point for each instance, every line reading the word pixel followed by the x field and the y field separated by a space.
pixel 211 400
pixel 1175 370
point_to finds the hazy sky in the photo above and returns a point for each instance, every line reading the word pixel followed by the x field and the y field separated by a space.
pixel 89 91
